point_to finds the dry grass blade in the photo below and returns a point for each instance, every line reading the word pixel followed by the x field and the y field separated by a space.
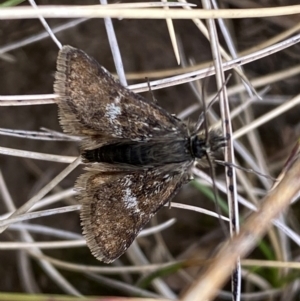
pixel 94 11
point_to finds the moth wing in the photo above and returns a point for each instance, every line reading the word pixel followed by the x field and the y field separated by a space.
pixel 116 206
pixel 94 105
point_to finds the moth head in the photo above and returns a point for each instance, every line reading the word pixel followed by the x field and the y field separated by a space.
pixel 209 145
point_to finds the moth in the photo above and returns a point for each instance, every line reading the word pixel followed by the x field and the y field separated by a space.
pixel 136 154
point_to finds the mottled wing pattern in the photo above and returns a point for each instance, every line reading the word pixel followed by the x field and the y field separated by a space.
pixel 94 105
pixel 116 206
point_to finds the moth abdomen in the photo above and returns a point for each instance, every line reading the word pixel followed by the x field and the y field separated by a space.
pixel 141 153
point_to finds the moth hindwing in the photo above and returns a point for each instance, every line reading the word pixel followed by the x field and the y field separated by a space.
pixel 137 155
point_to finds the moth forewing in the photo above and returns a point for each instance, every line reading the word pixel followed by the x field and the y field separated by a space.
pixel 138 155
pixel 97 107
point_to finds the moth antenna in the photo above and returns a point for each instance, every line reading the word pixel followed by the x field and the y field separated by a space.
pixel 249 170
pixel 205 109
pixel 216 194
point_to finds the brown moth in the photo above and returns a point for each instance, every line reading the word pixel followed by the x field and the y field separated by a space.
pixel 137 155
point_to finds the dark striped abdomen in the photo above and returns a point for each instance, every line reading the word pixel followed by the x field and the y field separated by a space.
pixel 141 153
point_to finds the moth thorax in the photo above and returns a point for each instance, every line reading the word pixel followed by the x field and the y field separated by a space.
pixel 198 146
